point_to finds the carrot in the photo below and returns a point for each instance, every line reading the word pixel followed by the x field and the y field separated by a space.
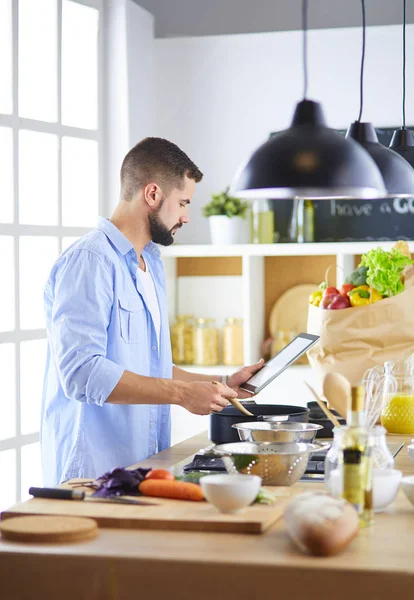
pixel 178 490
pixel 160 474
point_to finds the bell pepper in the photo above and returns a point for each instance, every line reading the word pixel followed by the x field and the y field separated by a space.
pixel 315 298
pixel 363 295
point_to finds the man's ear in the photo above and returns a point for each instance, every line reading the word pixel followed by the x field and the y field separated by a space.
pixel 152 194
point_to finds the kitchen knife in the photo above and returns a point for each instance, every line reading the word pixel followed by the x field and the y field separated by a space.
pixel 64 494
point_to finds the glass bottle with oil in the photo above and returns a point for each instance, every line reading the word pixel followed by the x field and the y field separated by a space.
pixel 355 458
pixel 302 223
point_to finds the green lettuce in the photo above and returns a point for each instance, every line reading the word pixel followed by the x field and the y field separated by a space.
pixel 384 270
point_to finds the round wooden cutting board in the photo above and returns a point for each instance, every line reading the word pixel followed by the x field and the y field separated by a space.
pixel 50 529
pixel 290 311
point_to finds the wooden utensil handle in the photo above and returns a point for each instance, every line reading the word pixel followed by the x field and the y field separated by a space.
pixel 237 404
pixel 323 407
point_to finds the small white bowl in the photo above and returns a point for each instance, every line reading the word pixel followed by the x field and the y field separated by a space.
pixel 408 487
pixel 230 493
pixel 384 487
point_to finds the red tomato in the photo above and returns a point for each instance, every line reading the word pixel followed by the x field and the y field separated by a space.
pixel 345 288
pixel 329 290
pixel 160 474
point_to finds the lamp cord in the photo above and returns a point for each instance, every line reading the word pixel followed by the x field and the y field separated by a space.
pixel 305 47
pixel 361 82
pixel 403 74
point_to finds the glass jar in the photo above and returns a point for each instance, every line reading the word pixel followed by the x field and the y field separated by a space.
pixel 205 342
pixel 261 223
pixel 282 339
pixel 332 458
pixel 182 340
pixel 397 414
pixel 381 455
pixel 233 342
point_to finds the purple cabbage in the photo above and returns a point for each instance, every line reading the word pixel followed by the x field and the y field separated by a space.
pixel 119 482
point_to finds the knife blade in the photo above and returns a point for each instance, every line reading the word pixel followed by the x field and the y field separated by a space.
pixel 64 494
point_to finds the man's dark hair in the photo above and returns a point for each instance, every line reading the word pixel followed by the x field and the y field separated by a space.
pixel 156 160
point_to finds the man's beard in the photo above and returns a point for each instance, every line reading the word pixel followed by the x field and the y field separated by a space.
pixel 159 232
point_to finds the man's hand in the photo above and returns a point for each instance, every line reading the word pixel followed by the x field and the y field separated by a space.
pixel 205 397
pixel 240 377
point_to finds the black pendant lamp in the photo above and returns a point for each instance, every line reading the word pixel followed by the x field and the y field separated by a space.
pixel 402 140
pixel 397 174
pixel 308 160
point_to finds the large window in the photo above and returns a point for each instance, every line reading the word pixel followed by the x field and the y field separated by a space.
pixel 50 67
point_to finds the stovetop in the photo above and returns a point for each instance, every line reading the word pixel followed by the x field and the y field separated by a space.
pixel 208 462
pixel 315 470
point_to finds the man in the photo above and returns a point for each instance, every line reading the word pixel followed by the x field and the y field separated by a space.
pixel 109 375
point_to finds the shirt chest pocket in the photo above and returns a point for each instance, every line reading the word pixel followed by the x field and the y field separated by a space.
pixel 133 319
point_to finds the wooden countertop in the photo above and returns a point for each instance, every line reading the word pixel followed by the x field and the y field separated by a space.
pixel 121 565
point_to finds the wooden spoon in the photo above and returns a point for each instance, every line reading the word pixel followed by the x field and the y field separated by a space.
pixel 237 404
pixel 337 390
pixel 323 406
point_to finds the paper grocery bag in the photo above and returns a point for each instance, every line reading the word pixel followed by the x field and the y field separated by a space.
pixel 353 340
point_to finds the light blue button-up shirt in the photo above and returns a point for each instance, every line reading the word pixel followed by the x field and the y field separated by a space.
pixel 98 325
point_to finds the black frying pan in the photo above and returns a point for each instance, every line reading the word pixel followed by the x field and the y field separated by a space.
pixel 221 431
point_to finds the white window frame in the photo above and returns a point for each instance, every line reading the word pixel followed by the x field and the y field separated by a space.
pixel 15 229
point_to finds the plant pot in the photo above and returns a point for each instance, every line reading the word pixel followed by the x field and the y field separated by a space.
pixel 229 230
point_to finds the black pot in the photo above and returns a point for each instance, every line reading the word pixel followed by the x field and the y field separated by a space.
pixel 221 431
pixel 317 416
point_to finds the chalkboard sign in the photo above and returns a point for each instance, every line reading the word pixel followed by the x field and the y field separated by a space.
pixel 354 220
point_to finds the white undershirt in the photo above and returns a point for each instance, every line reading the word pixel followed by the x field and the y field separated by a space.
pixel 151 298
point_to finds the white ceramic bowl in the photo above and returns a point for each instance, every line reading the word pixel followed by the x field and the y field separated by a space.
pixel 230 493
pixel 384 488
pixel 408 487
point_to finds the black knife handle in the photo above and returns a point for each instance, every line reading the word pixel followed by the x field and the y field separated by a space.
pixel 56 493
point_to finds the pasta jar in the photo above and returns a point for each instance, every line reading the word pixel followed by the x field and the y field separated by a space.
pixel 182 340
pixel 233 342
pixel 205 342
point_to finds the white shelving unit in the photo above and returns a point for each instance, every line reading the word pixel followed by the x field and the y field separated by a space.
pixel 249 301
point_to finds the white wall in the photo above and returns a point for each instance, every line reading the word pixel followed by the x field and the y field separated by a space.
pixel 129 86
pixel 219 97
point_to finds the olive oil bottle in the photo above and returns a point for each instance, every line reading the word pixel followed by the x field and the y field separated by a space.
pixel 355 458
pixel 302 223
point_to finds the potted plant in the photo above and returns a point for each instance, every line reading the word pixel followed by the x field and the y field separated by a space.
pixel 228 219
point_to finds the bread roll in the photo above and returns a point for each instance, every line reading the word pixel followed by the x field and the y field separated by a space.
pixel 320 524
pixel 403 247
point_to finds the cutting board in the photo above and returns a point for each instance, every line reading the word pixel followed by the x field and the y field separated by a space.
pixel 178 515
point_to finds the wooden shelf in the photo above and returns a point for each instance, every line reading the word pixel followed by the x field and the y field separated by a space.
pixel 245 280
pixel 314 249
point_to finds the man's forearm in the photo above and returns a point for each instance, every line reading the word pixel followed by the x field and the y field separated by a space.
pixel 138 389
pixel 182 375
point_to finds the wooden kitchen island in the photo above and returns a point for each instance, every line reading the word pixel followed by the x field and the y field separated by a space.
pixel 128 564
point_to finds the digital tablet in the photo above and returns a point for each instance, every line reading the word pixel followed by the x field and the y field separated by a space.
pixel 276 365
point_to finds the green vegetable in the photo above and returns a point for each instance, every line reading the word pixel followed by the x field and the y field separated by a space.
pixel 223 204
pixel 384 270
pixel 194 476
pixel 244 461
pixel 358 277
pixel 265 497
